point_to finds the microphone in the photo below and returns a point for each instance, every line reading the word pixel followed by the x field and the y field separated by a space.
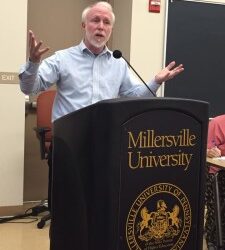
pixel 118 54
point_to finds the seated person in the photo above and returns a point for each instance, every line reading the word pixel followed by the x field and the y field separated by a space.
pixel 216 139
pixel 215 148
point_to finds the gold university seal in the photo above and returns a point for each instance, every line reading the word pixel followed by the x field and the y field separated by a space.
pixel 160 218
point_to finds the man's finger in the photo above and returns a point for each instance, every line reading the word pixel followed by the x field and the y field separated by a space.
pixel 42 51
pixel 37 46
pixel 170 65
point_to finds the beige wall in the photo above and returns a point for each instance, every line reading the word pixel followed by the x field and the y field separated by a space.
pixel 122 29
pixel 56 22
pixel 13 20
pixel 147 39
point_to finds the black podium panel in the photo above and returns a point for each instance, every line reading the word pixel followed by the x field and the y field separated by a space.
pixel 160 181
pixel 129 174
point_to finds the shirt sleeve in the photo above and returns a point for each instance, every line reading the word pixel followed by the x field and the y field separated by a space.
pixel 211 135
pixel 134 87
pixel 35 77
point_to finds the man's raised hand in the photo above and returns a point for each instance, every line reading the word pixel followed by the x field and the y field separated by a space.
pixel 36 51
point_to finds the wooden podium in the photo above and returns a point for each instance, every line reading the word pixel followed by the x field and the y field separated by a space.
pixel 130 174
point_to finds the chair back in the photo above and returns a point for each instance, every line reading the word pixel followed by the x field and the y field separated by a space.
pixel 44 112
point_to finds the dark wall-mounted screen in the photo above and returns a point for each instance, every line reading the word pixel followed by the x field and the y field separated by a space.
pixel 196 38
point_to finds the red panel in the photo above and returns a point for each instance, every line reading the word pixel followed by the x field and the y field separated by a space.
pixel 154 6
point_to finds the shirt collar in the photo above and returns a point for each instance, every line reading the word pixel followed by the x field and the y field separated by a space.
pixel 83 48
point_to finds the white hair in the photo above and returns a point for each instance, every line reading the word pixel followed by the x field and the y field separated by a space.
pixel 101 3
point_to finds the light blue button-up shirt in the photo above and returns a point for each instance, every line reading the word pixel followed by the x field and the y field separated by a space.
pixel 82 78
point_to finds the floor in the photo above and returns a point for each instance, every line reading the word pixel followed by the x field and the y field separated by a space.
pixel 21 236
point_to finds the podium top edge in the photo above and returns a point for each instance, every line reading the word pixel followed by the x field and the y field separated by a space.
pixel 194 107
pixel 152 99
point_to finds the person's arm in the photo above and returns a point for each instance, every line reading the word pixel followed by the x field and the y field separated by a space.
pixel 131 88
pixel 220 134
pixel 213 140
pixel 28 76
